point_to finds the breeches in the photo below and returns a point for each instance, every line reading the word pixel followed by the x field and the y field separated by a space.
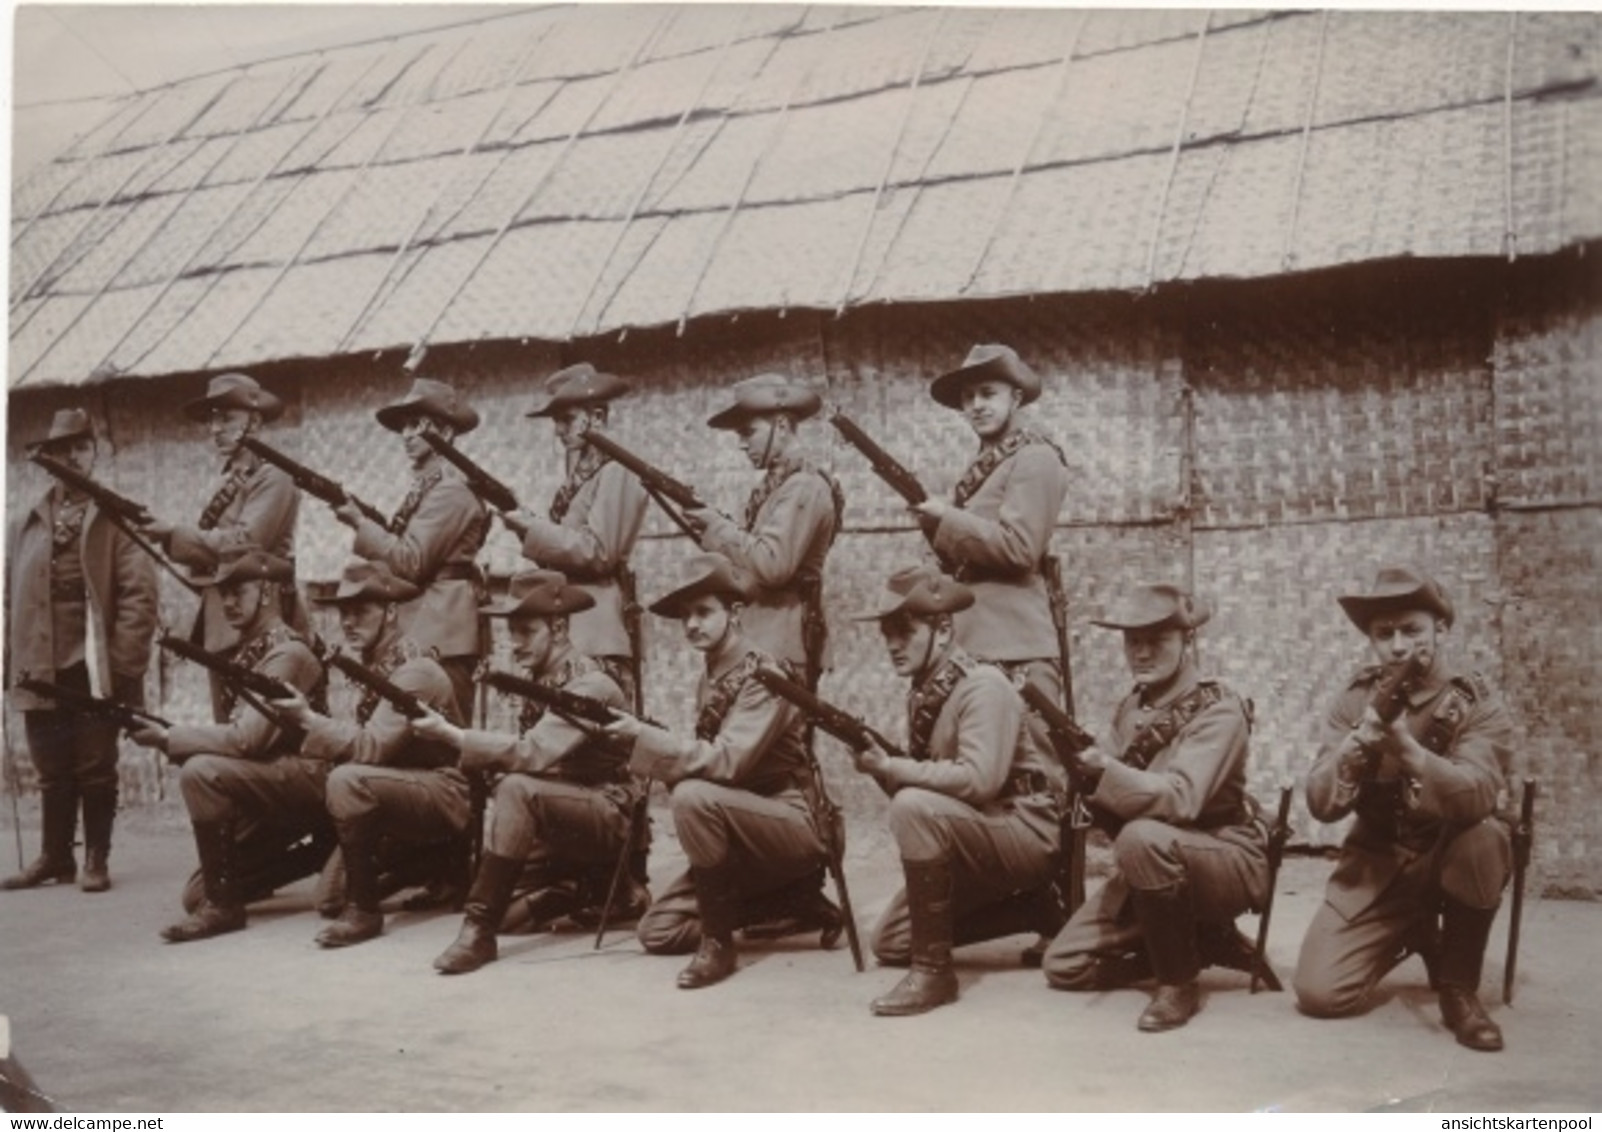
pixel 557 820
pixel 1226 870
pixel 407 804
pixel 766 842
pixel 287 792
pixel 1342 959
pixel 1002 849
pixel 69 749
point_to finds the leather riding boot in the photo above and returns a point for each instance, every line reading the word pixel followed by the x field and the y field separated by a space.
pixel 1168 922
pixel 360 920
pixel 1109 970
pixel 221 911
pixel 931 982
pixel 717 896
pixel 799 906
pixel 99 814
pixel 58 814
pixel 482 913
pixel 1464 934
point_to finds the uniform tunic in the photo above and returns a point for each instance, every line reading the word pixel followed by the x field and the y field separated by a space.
pixel 738 795
pixel 1414 840
pixel 982 798
pixel 1185 818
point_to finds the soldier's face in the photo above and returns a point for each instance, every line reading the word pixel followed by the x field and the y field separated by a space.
pixel 571 425
pixel 1154 655
pixel 78 453
pixel 706 621
pixel 532 641
pixel 228 427
pixel 909 642
pixel 756 439
pixel 362 622
pixel 411 433
pixel 989 405
pixel 242 602
pixel 1397 636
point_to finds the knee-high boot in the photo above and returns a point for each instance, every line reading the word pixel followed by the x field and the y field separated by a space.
pixel 360 920
pixel 99 815
pixel 482 913
pixel 931 982
pixel 1464 934
pixel 717 896
pixel 58 817
pixel 222 910
pixel 1168 922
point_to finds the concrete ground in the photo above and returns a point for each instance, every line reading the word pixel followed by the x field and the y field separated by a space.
pixel 108 1018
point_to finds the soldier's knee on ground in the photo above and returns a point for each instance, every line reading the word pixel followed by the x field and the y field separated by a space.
pixel 668 934
pixel 1317 997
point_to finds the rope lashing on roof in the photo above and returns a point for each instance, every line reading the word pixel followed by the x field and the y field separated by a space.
pixel 140 104
pixel 1173 155
pixel 1509 233
pixel 1287 257
pixel 419 349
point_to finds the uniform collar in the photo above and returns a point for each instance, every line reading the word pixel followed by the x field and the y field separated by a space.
pixel 243 460
pixel 953 652
pixel 730 652
pixel 1184 681
pixel 1440 675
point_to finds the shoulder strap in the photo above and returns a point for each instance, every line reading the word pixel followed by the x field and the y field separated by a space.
pixel 1150 740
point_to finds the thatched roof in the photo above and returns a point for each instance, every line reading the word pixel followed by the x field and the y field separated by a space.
pixel 569 171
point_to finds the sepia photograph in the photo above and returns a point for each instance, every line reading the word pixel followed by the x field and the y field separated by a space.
pixel 764 557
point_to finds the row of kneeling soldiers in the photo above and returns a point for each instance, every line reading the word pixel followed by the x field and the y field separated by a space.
pixel 977 797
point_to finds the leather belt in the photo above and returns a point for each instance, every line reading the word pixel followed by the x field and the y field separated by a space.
pixel 1030 782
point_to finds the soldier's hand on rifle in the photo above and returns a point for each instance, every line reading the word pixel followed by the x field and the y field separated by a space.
pixel 699 519
pixel 151 735
pixel 294 706
pixel 432 725
pixel 516 521
pixel 932 509
pixel 348 513
pixel 624 726
pixel 157 530
pixel 871 759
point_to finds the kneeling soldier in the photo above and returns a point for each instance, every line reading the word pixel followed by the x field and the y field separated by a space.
pixel 738 786
pixel 973 809
pixel 392 783
pixel 1427 840
pixel 566 791
pixel 1190 850
pixel 245 771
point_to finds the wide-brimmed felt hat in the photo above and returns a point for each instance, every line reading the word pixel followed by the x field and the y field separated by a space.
pixel 430 398
pixel 1398 587
pixel 703 574
pixel 919 591
pixel 234 391
pixel 247 564
pixel 1155 606
pixel 986 363
pixel 539 593
pixel 365 580
pixel 576 385
pixel 66 425
pixel 766 393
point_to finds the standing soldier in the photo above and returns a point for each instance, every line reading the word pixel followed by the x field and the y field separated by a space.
pixel 738 785
pixel 1427 842
pixel 82 607
pixel 1190 851
pixel 594 519
pixel 565 793
pixel 790 521
pixel 434 537
pixel 973 808
pixel 391 783
pixel 255 504
pixel 244 771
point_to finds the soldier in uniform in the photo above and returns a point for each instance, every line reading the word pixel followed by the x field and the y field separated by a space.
pixel 738 784
pixel 1189 847
pixel 434 536
pixel 245 770
pixel 254 504
pixel 781 543
pixel 82 607
pixel 973 809
pixel 565 791
pixel 593 522
pixel 389 783
pixel 1428 841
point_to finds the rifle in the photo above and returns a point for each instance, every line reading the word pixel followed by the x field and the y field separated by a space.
pixel 253 687
pixel 127 718
pixel 313 483
pixel 1277 836
pixel 403 701
pixel 1068 742
pixel 126 513
pixel 583 712
pixel 638 820
pixel 1523 842
pixel 842 725
pixel 483 485
pixel 673 496
pixel 1068 739
pixel 892 471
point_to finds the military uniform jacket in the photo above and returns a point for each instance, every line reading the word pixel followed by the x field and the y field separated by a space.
pixel 591 543
pixel 258 505
pixel 760 743
pixel 385 736
pixel 553 747
pixel 979 750
pixel 996 540
pixel 247 733
pixel 1198 780
pixel 1460 787
pixel 119 592
pixel 783 547
pixel 435 548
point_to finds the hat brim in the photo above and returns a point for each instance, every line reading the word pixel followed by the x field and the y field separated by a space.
pixel 268 405
pixel 64 439
pixel 1175 620
pixel 947 388
pixel 361 594
pixel 606 388
pixel 1360 609
pixel 731 417
pixel 529 607
pixel 672 605
pixel 394 416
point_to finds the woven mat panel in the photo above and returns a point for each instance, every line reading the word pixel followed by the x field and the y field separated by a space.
pixel 1549 401
pixel 1551 653
pixel 1279 638
pixel 1335 408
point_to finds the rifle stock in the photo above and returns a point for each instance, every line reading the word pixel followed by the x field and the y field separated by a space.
pixel 483 485
pixel 843 726
pixel 672 495
pixel 893 472
pixel 399 698
pixel 330 491
pixel 253 687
